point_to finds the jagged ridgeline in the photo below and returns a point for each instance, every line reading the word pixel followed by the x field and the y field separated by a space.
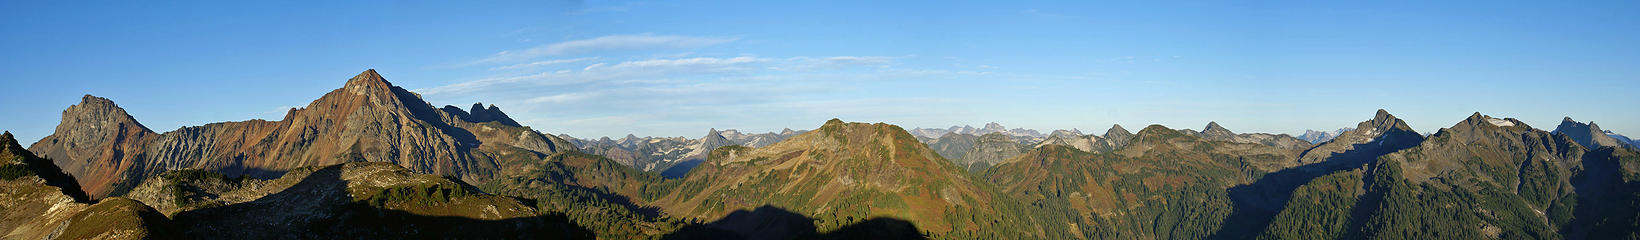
pixel 368 119
pixel 371 160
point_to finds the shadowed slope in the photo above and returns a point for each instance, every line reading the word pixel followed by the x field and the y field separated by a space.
pixel 1162 184
pixel 374 200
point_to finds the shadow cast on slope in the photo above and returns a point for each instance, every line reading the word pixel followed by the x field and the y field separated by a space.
pixel 1604 207
pixel 55 176
pixel 770 222
pixel 681 169
pixel 319 207
pixel 1257 203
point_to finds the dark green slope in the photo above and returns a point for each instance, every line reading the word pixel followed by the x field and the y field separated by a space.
pixel 593 191
pixel 1164 184
pixel 1482 178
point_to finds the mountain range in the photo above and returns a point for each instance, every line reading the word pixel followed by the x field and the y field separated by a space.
pixel 372 160
pixel 672 156
pixel 1316 137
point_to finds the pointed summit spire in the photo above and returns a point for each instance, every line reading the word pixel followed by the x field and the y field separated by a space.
pixel 1116 131
pixel 1214 130
pixel 1382 115
pixel 368 78
pixel 1383 120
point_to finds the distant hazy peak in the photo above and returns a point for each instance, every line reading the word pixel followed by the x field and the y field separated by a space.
pixel 994 126
pixel 1073 133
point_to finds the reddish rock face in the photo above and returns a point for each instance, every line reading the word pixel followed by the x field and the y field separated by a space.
pixel 368 119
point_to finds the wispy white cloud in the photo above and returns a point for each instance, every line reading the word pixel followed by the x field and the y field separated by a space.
pixel 811 63
pixel 563 97
pixel 605 43
pixel 601 71
pixel 542 63
pixel 651 93
pixel 699 63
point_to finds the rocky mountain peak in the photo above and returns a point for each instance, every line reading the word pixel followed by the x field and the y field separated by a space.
pixel 1066 134
pixel 94 134
pixel 993 127
pixel 1477 120
pixel 97 110
pixel 1480 127
pixel 1116 130
pixel 1384 121
pixel 480 114
pixel 1214 130
pixel 370 92
pixel 714 139
pixel 367 80
pixel 1212 125
pixel 1382 134
pixel 1589 135
pixel 1383 116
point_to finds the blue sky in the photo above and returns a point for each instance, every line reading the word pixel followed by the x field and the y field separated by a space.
pixel 600 68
